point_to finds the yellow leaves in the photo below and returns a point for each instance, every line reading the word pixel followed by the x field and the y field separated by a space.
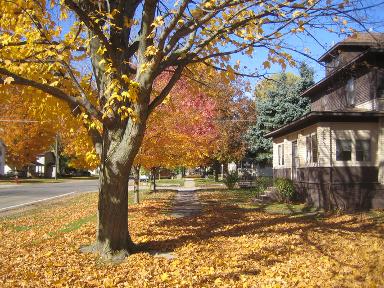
pixel 151 51
pixel 54 83
pixel 209 4
pixel 144 67
pixel 102 62
pixel 8 80
pixel 266 64
pixel 125 78
pixel 101 51
pixel 296 13
pixel 158 21
pixel 164 277
pixel 252 248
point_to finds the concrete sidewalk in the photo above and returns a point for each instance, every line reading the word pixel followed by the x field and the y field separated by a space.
pixel 187 202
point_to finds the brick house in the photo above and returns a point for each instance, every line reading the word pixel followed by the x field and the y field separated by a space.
pixel 335 153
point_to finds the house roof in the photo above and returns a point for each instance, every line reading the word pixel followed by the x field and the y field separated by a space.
pixel 368 39
pixel 326 116
pixel 370 53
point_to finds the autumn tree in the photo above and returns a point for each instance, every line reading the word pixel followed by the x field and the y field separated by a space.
pixel 71 48
pixel 234 114
pixel 182 131
pixel 25 132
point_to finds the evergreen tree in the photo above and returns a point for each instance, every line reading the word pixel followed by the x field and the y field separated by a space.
pixel 281 105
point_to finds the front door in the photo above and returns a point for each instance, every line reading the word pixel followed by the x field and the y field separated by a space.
pixel 294 160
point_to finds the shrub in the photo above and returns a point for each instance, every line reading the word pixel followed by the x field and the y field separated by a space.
pixel 285 188
pixel 263 182
pixel 231 179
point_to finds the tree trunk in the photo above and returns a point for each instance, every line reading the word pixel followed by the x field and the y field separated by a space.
pixel 216 168
pixel 118 152
pixel 112 234
pixel 154 179
pixel 136 185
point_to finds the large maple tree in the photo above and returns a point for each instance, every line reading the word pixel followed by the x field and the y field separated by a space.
pixel 71 48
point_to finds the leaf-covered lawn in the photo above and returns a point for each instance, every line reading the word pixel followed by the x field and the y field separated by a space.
pixel 229 245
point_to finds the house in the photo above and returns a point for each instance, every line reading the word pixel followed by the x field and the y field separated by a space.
pixel 44 166
pixel 335 153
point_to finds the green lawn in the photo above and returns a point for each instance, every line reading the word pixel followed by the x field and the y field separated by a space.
pixel 245 198
pixel 170 182
pixel 203 182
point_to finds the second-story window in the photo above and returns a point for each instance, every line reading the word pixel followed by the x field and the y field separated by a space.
pixel 350 92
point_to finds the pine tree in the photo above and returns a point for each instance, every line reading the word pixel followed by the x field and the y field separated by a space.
pixel 281 105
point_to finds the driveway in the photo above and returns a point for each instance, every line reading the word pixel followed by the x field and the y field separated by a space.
pixel 13 196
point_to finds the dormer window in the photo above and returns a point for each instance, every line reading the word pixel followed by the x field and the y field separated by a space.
pixel 350 92
pixel 336 61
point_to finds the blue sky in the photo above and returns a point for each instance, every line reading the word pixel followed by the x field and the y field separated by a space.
pixel 299 42
pixel 375 23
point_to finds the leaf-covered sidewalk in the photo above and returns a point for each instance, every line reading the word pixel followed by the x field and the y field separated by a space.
pixel 228 245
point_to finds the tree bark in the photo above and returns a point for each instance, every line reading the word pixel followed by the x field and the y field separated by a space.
pixel 136 185
pixel 154 179
pixel 119 147
pixel 112 234
pixel 216 168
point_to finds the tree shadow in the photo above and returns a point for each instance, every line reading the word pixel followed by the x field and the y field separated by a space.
pixel 222 220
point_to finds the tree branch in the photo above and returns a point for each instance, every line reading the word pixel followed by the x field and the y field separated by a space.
pixel 19 80
pixel 159 99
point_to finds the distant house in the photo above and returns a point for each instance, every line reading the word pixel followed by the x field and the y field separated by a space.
pixel 44 166
pixel 335 153
pixel 4 168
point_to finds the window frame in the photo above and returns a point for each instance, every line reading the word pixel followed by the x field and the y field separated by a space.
pixel 350 92
pixel 280 154
pixel 369 150
pixel 339 141
pixel 312 151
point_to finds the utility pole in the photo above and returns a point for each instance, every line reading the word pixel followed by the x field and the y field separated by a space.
pixel 56 155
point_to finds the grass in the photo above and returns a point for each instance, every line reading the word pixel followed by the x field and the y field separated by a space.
pixel 244 198
pixel 143 194
pixel 204 182
pixel 170 182
pixel 21 228
pixel 78 223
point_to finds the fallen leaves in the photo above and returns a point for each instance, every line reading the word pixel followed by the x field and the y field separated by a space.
pixel 226 246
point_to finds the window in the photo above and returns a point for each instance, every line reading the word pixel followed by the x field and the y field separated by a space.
pixel 336 61
pixel 281 154
pixel 350 92
pixel 363 150
pixel 311 145
pixel 314 148
pixel 343 150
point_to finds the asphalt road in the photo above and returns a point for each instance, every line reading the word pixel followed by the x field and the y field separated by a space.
pixel 13 196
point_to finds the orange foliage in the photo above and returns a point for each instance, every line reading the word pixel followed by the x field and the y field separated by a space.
pixel 182 131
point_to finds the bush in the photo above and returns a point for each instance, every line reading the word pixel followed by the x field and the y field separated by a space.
pixel 231 179
pixel 263 182
pixel 285 188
